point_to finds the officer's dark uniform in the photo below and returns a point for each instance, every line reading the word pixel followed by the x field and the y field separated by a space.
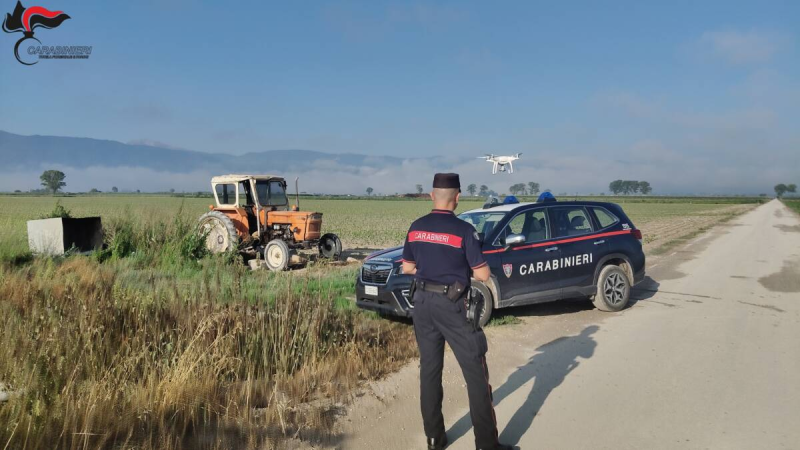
pixel 445 249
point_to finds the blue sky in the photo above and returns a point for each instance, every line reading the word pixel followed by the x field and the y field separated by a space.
pixel 697 94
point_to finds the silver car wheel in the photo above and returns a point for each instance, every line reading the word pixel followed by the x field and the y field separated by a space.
pixel 614 288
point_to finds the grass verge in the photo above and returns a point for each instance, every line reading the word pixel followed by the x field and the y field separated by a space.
pixel 793 204
pixel 152 344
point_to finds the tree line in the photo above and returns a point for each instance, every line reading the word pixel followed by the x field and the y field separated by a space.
pixel 630 187
pixel 53 181
pixel 781 189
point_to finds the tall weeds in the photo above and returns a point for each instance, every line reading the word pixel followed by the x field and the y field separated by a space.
pixel 149 346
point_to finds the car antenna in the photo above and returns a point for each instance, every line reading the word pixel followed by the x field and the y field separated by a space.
pixel 296 194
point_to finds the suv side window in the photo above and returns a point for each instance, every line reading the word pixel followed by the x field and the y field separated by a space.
pixel 515 226
pixel 571 220
pixel 531 224
pixel 604 217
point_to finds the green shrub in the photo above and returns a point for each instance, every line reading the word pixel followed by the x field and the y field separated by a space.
pixel 59 211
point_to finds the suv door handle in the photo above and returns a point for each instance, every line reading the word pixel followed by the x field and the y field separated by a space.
pixel 603 241
pixel 550 249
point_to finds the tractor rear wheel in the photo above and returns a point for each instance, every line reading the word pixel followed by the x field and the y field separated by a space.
pixel 221 235
pixel 276 255
pixel 330 246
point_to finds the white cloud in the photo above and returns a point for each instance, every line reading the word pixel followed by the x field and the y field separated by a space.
pixel 737 47
pixel 668 168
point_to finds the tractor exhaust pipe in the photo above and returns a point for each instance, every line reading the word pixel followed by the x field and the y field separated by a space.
pixel 296 194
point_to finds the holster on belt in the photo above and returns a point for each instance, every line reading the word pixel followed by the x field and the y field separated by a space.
pixel 455 291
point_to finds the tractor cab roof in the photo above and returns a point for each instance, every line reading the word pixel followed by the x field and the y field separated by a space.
pixel 235 178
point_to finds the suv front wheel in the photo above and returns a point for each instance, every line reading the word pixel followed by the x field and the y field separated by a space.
pixel 613 289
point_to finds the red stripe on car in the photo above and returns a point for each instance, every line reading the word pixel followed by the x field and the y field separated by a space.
pixel 561 241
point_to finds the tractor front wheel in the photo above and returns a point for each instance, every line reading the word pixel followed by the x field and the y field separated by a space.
pixel 276 255
pixel 330 246
pixel 219 231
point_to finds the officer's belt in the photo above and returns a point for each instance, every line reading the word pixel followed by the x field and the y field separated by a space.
pixel 451 291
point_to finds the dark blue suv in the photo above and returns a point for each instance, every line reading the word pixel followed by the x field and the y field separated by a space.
pixel 537 252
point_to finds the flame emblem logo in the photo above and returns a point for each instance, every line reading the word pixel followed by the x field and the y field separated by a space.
pixel 26 20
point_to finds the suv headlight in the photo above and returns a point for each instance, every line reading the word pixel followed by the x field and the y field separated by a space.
pixel 399 270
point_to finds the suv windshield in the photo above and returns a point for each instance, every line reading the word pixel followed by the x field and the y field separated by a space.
pixel 271 193
pixel 483 221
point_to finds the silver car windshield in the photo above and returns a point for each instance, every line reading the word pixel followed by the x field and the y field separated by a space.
pixel 484 222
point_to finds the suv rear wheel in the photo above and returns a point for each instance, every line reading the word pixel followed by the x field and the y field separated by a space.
pixel 488 302
pixel 613 289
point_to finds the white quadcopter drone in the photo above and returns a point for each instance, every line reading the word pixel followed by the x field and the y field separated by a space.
pixel 500 162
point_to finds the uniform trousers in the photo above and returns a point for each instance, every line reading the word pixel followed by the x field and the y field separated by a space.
pixel 437 320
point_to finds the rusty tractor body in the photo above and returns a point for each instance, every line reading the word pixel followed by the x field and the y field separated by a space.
pixel 252 215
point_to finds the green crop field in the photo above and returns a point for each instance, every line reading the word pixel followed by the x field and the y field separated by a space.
pixel 361 223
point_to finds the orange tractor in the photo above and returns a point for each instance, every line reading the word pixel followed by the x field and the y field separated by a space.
pixel 253 215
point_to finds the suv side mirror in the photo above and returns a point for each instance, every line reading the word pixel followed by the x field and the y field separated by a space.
pixel 514 239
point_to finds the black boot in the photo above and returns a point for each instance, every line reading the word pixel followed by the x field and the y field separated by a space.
pixel 436 444
pixel 499 446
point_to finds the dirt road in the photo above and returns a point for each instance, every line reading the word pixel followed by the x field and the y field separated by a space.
pixel 708 356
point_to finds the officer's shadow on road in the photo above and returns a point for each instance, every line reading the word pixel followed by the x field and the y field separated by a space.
pixel 548 369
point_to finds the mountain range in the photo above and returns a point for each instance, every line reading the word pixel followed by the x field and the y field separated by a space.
pixel 26 152
pixel 151 166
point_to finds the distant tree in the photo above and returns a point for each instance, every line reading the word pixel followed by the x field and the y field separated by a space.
pixel 114 189
pixel 791 188
pixel 138 191
pixel 645 188
pixel 484 190
pixel 172 191
pixel 93 191
pixel 518 188
pixel 419 189
pixel 472 188
pixel 53 180
pixel 780 189
pixel 17 191
pixel 630 187
pixel 533 188
pixel 369 191
pixel 615 187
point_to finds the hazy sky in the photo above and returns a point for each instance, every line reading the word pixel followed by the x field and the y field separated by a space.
pixel 700 96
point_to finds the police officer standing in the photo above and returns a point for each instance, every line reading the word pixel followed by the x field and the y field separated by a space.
pixel 441 251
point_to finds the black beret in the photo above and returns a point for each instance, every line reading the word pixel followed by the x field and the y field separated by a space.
pixel 447 181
